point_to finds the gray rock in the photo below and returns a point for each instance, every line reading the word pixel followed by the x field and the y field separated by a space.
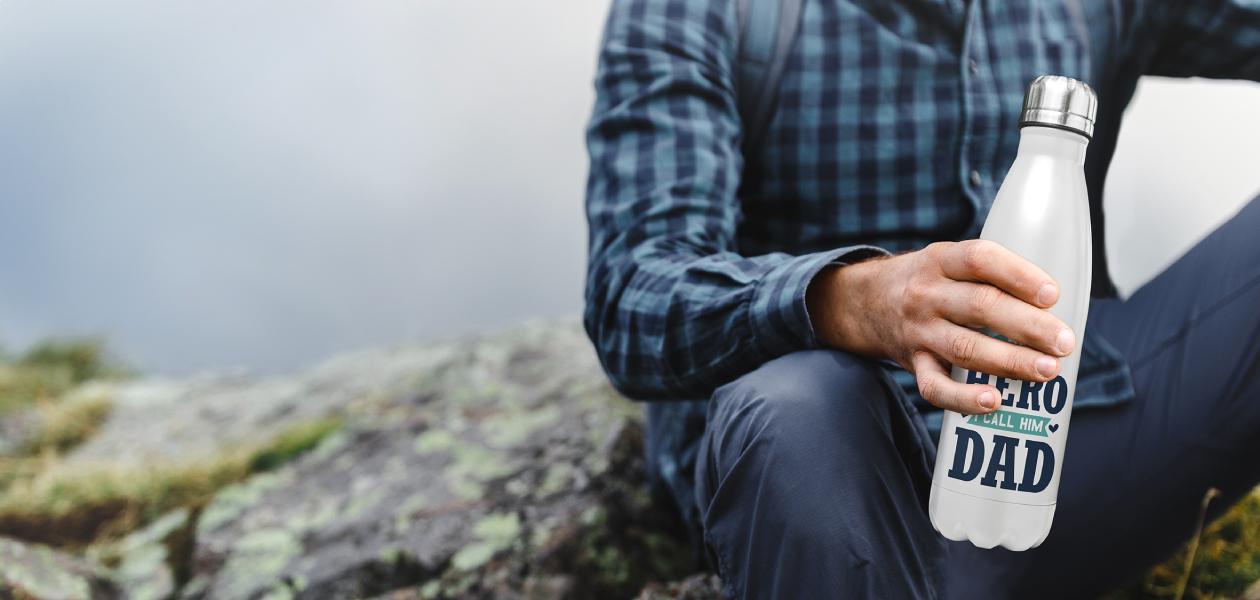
pixel 506 468
pixel 178 419
pixel 145 559
pixel 697 587
pixel 32 571
pixel 497 466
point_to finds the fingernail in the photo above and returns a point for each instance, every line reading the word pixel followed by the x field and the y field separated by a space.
pixel 1066 341
pixel 1047 366
pixel 1047 294
pixel 987 400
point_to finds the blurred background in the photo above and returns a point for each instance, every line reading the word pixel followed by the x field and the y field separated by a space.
pixel 263 184
pixel 260 185
pixel 258 209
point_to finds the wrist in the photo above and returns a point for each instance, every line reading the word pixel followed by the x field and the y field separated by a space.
pixel 834 302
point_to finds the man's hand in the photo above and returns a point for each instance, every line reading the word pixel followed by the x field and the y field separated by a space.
pixel 922 309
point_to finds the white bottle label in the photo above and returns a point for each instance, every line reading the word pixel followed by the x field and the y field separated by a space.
pixel 1013 454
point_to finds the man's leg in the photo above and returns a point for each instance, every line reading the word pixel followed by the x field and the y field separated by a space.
pixel 812 482
pixel 1134 476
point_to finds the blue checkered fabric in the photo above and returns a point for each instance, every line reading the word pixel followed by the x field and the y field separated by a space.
pixel 896 120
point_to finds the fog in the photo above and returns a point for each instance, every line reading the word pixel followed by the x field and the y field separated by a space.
pixel 260 185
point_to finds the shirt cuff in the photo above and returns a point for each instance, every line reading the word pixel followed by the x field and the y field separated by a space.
pixel 780 319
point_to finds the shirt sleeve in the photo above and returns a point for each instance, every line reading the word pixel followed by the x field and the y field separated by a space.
pixel 673 308
pixel 1207 38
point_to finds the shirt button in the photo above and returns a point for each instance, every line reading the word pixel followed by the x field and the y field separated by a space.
pixel 975 178
pixel 974 66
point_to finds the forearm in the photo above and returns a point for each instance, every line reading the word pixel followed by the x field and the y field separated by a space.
pixel 680 326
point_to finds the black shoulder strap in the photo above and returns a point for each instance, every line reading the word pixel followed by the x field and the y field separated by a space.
pixel 766 29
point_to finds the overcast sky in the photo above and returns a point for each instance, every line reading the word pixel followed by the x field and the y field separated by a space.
pixel 263 184
pixel 210 184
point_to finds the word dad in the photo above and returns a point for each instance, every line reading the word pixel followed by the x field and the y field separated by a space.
pixel 998 462
pixel 970 445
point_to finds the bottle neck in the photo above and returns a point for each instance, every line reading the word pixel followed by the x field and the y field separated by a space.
pixel 1051 141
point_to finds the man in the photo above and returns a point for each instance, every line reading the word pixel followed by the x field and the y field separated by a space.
pixel 792 307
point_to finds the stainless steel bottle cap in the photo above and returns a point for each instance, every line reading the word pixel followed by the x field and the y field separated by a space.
pixel 1062 102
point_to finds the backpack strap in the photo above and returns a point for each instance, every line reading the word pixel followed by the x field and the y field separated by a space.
pixel 766 31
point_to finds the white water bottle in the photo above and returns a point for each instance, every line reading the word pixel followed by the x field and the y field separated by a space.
pixel 997 475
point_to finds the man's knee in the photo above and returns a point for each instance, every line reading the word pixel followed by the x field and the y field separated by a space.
pixel 819 392
pixel 808 466
pixel 820 419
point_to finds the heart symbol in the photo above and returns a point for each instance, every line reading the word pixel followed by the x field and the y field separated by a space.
pixel 1052 427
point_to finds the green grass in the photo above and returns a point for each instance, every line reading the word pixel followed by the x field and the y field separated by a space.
pixel 44 499
pixel 22 387
pixel 1225 563
pixel 37 383
pixel 81 358
pixel 291 443
pixel 50 369
pixel 67 423
pixel 74 505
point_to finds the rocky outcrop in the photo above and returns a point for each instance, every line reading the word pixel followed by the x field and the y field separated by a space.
pixel 510 469
pixel 176 419
pixel 697 587
pixel 28 571
pixel 488 467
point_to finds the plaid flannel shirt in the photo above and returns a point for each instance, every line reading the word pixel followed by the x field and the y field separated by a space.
pixel 895 123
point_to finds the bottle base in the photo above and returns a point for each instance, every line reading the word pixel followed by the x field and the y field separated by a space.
pixel 988 523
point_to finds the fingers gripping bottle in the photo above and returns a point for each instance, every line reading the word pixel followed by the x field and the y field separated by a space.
pixel 997 475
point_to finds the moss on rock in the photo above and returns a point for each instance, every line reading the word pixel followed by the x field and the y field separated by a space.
pixel 77 504
pixel 30 571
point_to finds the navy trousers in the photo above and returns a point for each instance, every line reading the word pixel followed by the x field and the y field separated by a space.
pixel 813 474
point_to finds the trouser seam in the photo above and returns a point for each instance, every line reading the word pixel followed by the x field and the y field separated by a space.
pixel 724 570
